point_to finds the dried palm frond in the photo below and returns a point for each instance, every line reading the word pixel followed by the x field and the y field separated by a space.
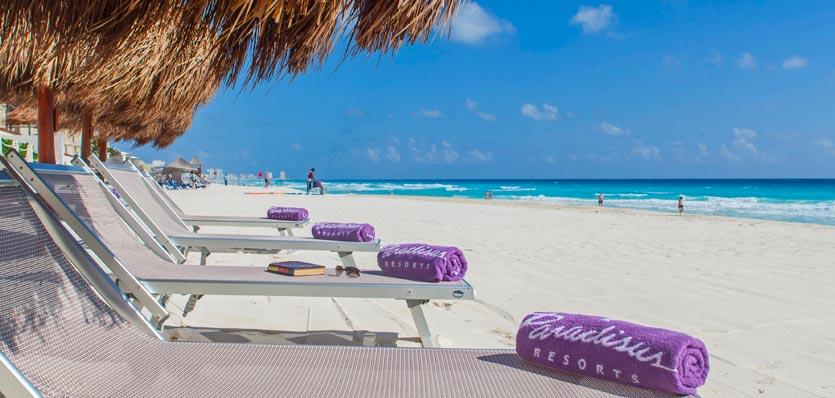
pixel 162 59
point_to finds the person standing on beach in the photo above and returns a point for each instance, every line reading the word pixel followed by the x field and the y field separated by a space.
pixel 600 200
pixel 311 176
pixel 680 205
pixel 267 178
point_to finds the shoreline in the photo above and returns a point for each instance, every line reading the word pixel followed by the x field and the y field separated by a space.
pixel 557 206
pixel 764 208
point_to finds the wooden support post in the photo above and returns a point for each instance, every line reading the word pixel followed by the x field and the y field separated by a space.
pixel 46 125
pixel 102 148
pixel 86 134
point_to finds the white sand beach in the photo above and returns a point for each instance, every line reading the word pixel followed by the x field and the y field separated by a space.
pixel 759 293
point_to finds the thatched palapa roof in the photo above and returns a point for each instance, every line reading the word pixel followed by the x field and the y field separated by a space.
pixel 143 67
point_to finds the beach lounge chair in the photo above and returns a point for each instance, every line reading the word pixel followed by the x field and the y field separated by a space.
pixel 144 181
pixel 150 275
pixel 178 239
pixel 67 330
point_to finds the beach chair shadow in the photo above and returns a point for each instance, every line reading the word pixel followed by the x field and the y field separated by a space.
pixel 357 338
pixel 30 286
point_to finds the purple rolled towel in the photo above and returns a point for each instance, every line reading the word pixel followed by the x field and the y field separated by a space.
pixel 346 232
pixel 287 213
pixel 422 262
pixel 653 358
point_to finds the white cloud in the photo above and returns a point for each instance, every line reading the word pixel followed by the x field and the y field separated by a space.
pixel 714 58
pixel 472 24
pixel 448 153
pixel 672 61
pixel 445 153
pixel 594 19
pixel 296 147
pixel 827 146
pixel 392 155
pixel 548 112
pixel 473 107
pixel 389 154
pixel 729 154
pixel 649 152
pixel 743 138
pixel 355 113
pixel 488 117
pixel 551 159
pixel 478 156
pixel 742 144
pixel 611 129
pixel 373 154
pixel 746 61
pixel 597 157
pixel 428 113
pixel 795 62
pixel 679 150
pixel 703 150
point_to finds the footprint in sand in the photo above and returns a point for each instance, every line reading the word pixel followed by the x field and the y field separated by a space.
pixel 506 337
pixel 768 365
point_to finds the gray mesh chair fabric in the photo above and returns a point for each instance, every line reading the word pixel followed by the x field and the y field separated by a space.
pixel 83 194
pixel 145 198
pixel 171 225
pixel 178 232
pixel 66 341
pixel 214 220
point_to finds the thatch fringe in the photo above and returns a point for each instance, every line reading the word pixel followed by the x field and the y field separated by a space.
pixel 143 67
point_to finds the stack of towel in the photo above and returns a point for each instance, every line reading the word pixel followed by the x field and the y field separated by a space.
pixel 346 232
pixel 422 262
pixel 287 213
pixel 624 352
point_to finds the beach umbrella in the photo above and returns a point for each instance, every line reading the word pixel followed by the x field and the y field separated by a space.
pixel 179 165
pixel 143 68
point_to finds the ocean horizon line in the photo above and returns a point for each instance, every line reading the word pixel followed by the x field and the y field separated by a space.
pixel 796 200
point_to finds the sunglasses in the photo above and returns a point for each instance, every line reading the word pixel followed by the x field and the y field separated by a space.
pixel 352 272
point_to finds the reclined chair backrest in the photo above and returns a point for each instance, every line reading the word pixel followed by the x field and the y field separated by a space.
pixel 161 221
pixel 48 309
pixel 130 183
pixel 82 192
pixel 101 220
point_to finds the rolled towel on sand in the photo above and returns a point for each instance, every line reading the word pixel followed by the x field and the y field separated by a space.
pixel 287 213
pixel 346 232
pixel 642 356
pixel 422 262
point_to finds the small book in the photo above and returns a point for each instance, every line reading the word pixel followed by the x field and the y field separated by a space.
pixel 295 268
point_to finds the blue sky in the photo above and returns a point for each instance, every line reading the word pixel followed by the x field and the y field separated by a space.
pixel 554 89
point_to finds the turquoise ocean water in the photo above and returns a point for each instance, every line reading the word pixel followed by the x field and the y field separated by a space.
pixel 799 200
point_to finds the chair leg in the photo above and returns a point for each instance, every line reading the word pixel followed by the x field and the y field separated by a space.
pixel 204 254
pixel 192 302
pixel 347 259
pixel 184 251
pixel 286 232
pixel 416 308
